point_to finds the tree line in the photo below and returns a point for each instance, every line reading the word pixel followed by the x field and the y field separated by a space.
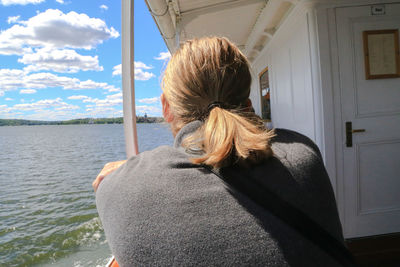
pixel 139 119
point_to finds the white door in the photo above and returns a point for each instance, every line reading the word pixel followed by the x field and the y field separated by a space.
pixel 371 169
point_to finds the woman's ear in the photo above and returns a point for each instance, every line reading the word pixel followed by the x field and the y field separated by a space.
pixel 168 116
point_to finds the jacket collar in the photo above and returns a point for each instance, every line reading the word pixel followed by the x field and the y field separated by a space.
pixel 186 130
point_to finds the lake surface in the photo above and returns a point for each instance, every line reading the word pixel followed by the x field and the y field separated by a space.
pixel 48 215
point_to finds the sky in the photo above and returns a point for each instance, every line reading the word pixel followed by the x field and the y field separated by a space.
pixel 60 59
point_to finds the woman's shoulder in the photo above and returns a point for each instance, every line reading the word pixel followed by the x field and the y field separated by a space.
pixel 294 141
pixel 148 166
pixel 160 159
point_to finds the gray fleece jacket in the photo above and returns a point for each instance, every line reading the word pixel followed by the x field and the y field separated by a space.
pixel 159 209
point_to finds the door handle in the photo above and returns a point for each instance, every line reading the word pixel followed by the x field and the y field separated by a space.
pixel 349 133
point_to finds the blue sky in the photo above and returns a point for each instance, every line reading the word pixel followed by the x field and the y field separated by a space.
pixel 60 59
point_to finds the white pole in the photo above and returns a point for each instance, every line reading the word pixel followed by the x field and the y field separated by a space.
pixel 128 77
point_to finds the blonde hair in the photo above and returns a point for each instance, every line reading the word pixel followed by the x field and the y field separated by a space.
pixel 213 70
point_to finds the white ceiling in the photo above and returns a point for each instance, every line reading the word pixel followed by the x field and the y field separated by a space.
pixel 250 24
pixel 232 21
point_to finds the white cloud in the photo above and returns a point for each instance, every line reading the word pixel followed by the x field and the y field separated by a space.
pixel 163 56
pixel 69 107
pixel 54 29
pixel 109 101
pixel 57 109
pixel 89 84
pixel 115 96
pixel 9 47
pixel 1 93
pixel 59 60
pixel 8 99
pixel 5 110
pixel 78 97
pixel 103 7
pixel 44 80
pixel 20 2
pixel 140 74
pixel 143 75
pixel 14 79
pixel 49 115
pixel 27 91
pixel 11 79
pixel 57 104
pixel 150 110
pixel 13 19
pixel 149 100
pixel 141 65
pixel 117 70
pixel 113 90
pixel 60 1
pixel 101 112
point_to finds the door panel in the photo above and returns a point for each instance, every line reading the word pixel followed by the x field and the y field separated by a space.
pixel 375 179
pixel 371 167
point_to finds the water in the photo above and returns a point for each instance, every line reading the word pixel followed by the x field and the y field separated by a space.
pixel 47 206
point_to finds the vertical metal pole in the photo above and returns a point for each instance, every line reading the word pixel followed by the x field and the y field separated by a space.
pixel 128 77
pixel 178 32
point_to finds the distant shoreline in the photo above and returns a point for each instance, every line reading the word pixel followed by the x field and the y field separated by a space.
pixel 18 122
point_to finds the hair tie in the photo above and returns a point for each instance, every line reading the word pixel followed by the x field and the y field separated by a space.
pixel 213 105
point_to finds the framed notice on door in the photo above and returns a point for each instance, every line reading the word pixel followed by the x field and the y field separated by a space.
pixel 265 95
pixel 381 54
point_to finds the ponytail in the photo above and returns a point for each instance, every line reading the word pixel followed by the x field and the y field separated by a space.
pixel 229 137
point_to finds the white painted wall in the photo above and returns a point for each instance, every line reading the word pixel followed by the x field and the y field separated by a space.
pixel 300 99
pixel 290 70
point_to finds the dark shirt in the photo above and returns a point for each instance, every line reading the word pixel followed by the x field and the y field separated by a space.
pixel 159 209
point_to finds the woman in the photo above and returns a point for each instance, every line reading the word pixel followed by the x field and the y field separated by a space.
pixel 187 204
